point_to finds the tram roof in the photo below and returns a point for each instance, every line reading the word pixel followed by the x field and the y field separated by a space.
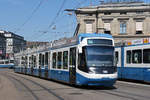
pixel 95 35
pixel 64 42
pixel 77 39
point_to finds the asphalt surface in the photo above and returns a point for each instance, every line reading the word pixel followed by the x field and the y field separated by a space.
pixel 14 86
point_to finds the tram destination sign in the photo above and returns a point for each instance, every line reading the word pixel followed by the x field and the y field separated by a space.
pixel 99 41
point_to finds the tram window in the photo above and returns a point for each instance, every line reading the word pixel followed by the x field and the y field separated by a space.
pixel 65 60
pixel 82 61
pixel 59 60
pixel 146 56
pixel 116 57
pixel 54 60
pixel 137 56
pixel 72 58
pixel 22 61
pixel 34 61
pixel 25 61
pixel 30 62
pixel 40 61
pixel 7 62
pixel 46 58
pixel 11 61
pixel 43 60
pixel 1 62
pixel 128 57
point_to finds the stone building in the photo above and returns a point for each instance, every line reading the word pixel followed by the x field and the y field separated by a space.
pixel 2 45
pixel 14 43
pixel 124 21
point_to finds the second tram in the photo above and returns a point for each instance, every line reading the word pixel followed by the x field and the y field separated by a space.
pixel 133 60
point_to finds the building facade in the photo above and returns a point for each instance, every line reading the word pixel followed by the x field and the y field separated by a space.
pixel 124 21
pixel 2 45
pixel 14 43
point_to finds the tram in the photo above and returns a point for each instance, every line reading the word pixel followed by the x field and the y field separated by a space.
pixel 133 60
pixel 87 59
pixel 6 63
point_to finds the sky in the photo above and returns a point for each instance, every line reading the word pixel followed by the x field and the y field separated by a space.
pixel 34 22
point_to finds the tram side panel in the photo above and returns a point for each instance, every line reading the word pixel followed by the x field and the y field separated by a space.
pixel 59 69
pixel 118 60
pixel 136 63
pixel 133 68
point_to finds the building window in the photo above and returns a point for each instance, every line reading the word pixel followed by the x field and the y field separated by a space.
pixel 107 28
pixel 139 27
pixel 89 26
pixel 137 56
pixel 123 27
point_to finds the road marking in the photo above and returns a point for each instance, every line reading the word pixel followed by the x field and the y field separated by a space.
pixel 134 83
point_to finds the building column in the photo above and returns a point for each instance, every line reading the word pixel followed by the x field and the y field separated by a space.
pixel 115 27
pixel 146 26
pixel 131 27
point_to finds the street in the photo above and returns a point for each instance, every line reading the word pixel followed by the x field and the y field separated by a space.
pixel 14 86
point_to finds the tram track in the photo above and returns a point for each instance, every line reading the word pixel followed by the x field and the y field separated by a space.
pixel 115 92
pixel 124 94
pixel 1 85
pixel 43 87
pixel 133 86
pixel 118 95
pixel 24 85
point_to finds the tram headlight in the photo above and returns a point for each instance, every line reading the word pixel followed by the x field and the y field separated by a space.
pixel 92 70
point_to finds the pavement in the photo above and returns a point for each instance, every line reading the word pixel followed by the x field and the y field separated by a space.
pixel 14 86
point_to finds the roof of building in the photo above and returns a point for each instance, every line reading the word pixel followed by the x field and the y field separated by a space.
pixel 108 6
pixel 12 34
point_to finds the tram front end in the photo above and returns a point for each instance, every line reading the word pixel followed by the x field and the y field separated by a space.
pixel 96 63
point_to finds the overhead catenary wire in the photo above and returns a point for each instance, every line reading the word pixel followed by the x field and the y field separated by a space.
pixel 53 21
pixel 58 13
pixel 29 18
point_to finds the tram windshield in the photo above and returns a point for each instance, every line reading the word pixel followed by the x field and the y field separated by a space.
pixel 97 57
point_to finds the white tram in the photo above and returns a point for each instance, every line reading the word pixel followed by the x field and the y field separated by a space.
pixel 6 63
pixel 87 59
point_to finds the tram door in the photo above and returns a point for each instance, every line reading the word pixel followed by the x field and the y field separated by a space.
pixel 72 66
pixel 32 64
pixel 40 64
pixel 26 60
pixel 46 64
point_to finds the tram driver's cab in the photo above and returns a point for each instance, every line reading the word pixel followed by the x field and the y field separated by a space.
pixel 96 56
